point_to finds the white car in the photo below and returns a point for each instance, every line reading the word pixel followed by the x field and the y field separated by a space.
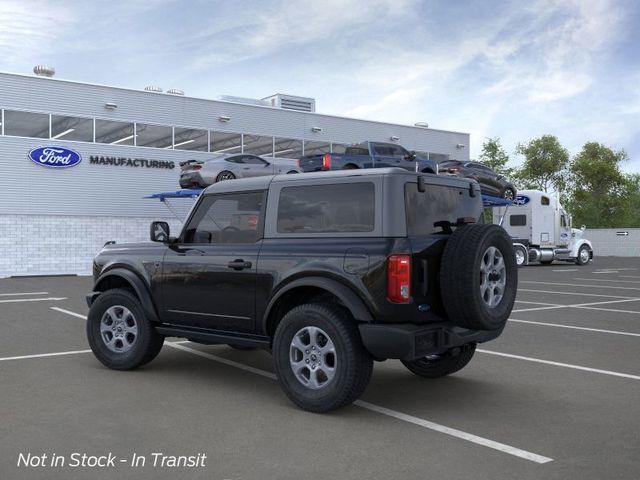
pixel 202 173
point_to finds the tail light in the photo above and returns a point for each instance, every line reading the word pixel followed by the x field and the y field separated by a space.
pixel 453 170
pixel 326 161
pixel 399 278
pixel 196 167
pixel 298 163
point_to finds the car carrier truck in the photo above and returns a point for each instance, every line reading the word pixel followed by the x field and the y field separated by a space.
pixel 541 230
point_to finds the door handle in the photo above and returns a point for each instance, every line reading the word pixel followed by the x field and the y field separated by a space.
pixel 239 264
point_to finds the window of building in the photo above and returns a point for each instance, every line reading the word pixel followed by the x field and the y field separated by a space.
pixel 232 218
pixel 190 139
pixel 518 220
pixel 26 124
pixel 222 142
pixel 157 136
pixel 327 208
pixel 114 133
pixel 72 128
pixel 257 145
pixel 316 148
pixel 287 148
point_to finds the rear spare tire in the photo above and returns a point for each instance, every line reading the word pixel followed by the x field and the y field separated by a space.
pixel 479 277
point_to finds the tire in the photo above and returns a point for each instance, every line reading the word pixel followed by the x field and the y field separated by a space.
pixel 475 297
pixel 436 366
pixel 291 172
pixel 136 350
pixel 352 364
pixel 225 175
pixel 509 194
pixel 582 258
pixel 350 167
pixel 521 255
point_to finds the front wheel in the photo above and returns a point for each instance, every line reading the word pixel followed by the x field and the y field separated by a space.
pixel 119 333
pixel 509 194
pixel 440 365
pixel 584 255
pixel 521 254
pixel 319 358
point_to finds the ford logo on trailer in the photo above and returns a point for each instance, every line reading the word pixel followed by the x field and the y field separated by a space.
pixel 521 200
pixel 55 157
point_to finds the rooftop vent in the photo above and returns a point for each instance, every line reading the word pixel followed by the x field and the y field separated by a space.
pixel 175 91
pixel 153 88
pixel 291 102
pixel 43 71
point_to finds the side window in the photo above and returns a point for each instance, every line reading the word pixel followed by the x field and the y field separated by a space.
pixel 563 221
pixel 253 160
pixel 344 207
pixel 237 159
pixel 544 201
pixel 518 220
pixel 227 218
pixel 398 151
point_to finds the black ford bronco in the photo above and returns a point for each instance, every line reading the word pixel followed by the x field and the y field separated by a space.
pixel 329 271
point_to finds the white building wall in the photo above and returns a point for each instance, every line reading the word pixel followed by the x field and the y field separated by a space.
pixel 58 245
pixel 612 242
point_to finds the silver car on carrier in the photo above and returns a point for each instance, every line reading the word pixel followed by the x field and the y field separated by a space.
pixel 199 173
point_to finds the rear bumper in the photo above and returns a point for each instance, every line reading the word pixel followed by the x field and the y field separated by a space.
pixel 191 179
pixel 408 341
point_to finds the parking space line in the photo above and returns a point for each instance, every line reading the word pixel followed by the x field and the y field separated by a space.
pixel 455 433
pixel 26 293
pixel 566 270
pixel 574 327
pixel 48 299
pixel 602 309
pixel 560 364
pixel 539 303
pixel 42 355
pixel 606 280
pixel 388 412
pixel 62 310
pixel 534 309
pixel 576 293
pixel 581 285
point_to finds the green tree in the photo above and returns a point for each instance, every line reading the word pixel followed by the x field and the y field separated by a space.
pixel 545 164
pixel 494 156
pixel 600 195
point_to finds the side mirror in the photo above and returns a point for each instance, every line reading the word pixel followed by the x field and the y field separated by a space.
pixel 159 232
pixel 583 228
pixel 410 156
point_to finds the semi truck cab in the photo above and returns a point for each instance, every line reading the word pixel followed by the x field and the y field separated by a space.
pixel 542 230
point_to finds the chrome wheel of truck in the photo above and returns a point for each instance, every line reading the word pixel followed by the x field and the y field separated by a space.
pixel 313 357
pixel 493 277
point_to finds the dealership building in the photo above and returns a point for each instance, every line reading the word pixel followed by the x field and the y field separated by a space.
pixel 120 145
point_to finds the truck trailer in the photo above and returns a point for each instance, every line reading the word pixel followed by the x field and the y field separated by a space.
pixel 541 230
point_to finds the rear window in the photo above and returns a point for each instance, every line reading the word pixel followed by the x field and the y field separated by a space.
pixel 437 204
pixel 338 208
pixel 357 151
pixel 518 220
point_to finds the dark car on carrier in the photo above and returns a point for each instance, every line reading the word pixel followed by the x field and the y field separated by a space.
pixel 328 271
pixel 491 182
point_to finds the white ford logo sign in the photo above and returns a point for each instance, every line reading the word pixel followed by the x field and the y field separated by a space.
pixel 55 157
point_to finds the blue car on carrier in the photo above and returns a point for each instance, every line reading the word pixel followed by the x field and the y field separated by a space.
pixel 369 155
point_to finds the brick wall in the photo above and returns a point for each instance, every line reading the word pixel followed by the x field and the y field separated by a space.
pixel 53 245
pixel 611 242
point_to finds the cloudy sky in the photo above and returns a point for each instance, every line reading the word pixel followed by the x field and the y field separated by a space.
pixel 511 69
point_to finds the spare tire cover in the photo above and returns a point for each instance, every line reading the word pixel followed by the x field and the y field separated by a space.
pixel 479 277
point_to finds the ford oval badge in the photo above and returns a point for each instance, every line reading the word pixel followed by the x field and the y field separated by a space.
pixel 521 200
pixel 55 157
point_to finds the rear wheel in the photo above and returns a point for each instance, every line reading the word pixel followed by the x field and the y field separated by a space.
pixel 319 357
pixel 119 333
pixel 509 194
pixel 479 266
pixel 225 175
pixel 350 167
pixel 435 366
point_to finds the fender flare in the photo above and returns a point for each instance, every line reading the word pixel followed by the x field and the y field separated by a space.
pixel 346 295
pixel 138 285
pixel 580 243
